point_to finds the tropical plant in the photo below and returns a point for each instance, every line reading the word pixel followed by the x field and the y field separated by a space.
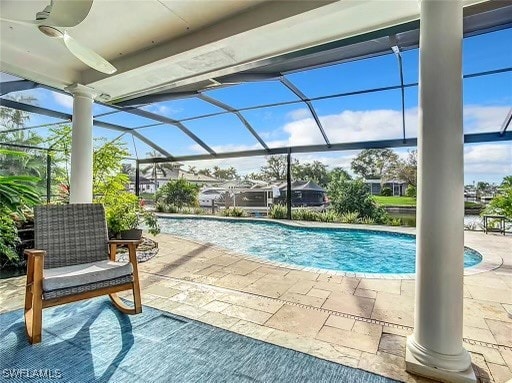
pixel 8 239
pixel 157 167
pixel 278 211
pixel 350 217
pixel 17 192
pixel 234 212
pixel 304 214
pixel 502 203
pixel 328 216
pixel 349 196
pixel 179 193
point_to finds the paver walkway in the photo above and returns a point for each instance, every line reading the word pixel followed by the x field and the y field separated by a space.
pixel 358 322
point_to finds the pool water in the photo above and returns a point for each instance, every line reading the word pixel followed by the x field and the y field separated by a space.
pixel 350 250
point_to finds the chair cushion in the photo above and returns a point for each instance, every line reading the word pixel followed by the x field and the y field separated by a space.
pixel 83 274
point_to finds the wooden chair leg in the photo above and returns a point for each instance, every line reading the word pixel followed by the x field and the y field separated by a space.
pixel 34 320
pixel 34 299
pixel 137 303
pixel 121 306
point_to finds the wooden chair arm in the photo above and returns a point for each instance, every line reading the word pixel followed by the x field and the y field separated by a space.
pixel 125 241
pixel 35 269
pixel 35 252
pixel 132 252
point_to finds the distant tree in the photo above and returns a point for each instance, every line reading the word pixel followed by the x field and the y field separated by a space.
pixel 192 169
pixel 128 169
pixel 314 171
pixel 275 168
pixel 482 186
pixel 254 176
pixel 205 172
pixel 406 169
pixel 338 172
pixel 507 182
pixel 374 163
pixel 225 174
pixel 155 168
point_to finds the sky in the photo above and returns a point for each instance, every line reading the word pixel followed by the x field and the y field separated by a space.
pixel 366 117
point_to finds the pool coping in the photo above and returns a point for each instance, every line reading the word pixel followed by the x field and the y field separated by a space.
pixel 489 261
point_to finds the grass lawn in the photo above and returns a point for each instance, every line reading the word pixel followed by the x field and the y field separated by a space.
pixel 409 201
pixel 394 201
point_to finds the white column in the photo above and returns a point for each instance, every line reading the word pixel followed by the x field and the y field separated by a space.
pixel 435 349
pixel 81 144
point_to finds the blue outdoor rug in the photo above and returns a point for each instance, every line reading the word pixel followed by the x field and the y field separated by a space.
pixel 91 341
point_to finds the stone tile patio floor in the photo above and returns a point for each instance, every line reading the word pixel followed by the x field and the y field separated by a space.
pixel 357 322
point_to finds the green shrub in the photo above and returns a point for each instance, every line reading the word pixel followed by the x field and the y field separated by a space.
pixel 179 193
pixel 8 239
pixel 367 221
pixel 386 192
pixel 394 221
pixel 304 214
pixel 349 196
pixel 277 212
pixel 502 203
pixel 350 217
pixel 328 216
pixel 234 212
pixel 410 191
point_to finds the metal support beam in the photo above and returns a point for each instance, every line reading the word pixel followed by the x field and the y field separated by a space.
pixel 137 178
pixel 289 184
pixel 16 86
pixel 119 128
pixel 396 50
pixel 287 83
pixel 170 121
pixel 506 123
pixel 154 98
pixel 228 108
pixel 381 144
pixel 48 177
pixel 34 109
pixel 10 145
pixel 68 117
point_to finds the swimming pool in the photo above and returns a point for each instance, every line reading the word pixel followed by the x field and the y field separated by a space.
pixel 349 250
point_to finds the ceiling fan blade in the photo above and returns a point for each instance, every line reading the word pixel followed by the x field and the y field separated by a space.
pixel 21 22
pixel 88 56
pixel 68 13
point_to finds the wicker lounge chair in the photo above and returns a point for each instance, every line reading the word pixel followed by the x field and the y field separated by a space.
pixel 74 260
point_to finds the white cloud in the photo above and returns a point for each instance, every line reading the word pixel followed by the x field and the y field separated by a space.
pixel 63 99
pixel 488 159
pixel 484 118
pixel 484 161
pixel 299 114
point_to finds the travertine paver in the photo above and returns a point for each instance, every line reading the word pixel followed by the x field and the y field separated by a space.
pixel 350 304
pixel 319 313
pixel 247 313
pixel 502 331
pixel 347 338
pixel 297 320
pixel 340 322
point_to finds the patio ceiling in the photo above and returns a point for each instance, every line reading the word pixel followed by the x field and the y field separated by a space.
pixel 198 51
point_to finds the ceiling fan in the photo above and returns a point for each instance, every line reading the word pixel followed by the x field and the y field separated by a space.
pixel 62 14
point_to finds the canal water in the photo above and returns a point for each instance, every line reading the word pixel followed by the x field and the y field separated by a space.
pixel 409 219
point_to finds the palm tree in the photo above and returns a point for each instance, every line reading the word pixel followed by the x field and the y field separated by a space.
pixel 155 168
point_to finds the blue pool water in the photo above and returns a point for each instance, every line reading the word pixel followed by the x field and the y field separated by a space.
pixel 351 250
